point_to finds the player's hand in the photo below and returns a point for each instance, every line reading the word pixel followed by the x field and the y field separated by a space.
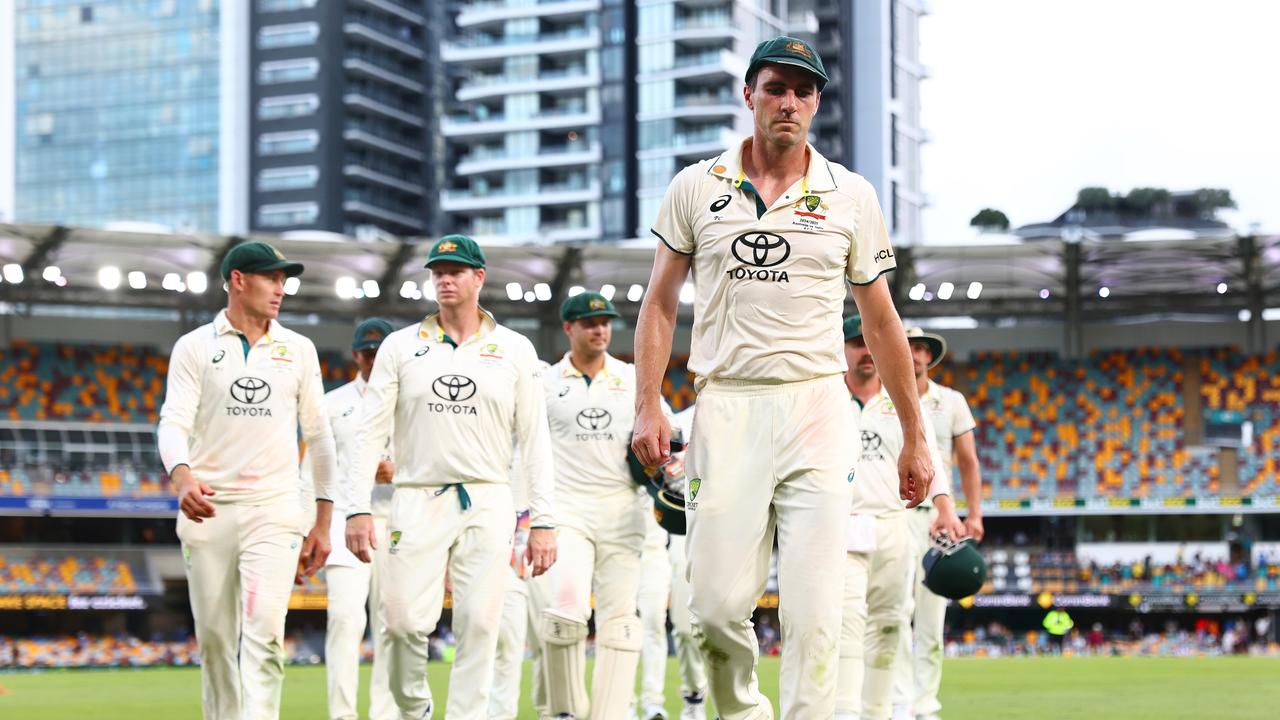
pixel 386 472
pixel 315 550
pixel 948 522
pixel 651 436
pixel 362 539
pixel 540 554
pixel 915 470
pixel 973 524
pixel 192 494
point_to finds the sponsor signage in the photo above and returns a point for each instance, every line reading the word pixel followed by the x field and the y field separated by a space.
pixel 61 601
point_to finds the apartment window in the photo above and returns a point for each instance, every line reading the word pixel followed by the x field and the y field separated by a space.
pixel 285 143
pixel 267 6
pixel 288 178
pixel 286 214
pixel 278 36
pixel 283 71
pixel 288 106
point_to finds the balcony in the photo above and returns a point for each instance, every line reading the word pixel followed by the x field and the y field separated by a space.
pixel 369 65
pixel 696 144
pixel 363 99
pixel 476 14
pixel 566 193
pixel 371 137
pixel 482 86
pixel 700 105
pixel 368 209
pixel 411 12
pixel 483 47
pixel 702 64
pixel 704 28
pixel 383 34
pixel 498 124
pixel 482 160
pixel 384 175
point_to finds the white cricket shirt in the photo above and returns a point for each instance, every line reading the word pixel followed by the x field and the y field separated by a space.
pixel 950 416
pixel 591 421
pixel 455 410
pixel 232 412
pixel 770 288
pixel 875 474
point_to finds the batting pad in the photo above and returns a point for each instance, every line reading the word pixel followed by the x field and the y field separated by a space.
pixel 618 643
pixel 564 660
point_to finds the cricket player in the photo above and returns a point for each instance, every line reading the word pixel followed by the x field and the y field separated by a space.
pixel 772 231
pixel 877 541
pixel 237 391
pixel 590 399
pixel 918 676
pixel 662 577
pixel 350 583
pixel 458 386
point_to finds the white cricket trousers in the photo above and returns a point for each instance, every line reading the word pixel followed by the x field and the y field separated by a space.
pixel 431 535
pixel 873 600
pixel 918 673
pixel 766 459
pixel 655 593
pixel 598 540
pixel 350 587
pixel 693 672
pixel 240 566
pixel 504 701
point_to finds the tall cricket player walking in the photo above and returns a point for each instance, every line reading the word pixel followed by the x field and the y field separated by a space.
pixel 237 391
pixel 458 386
pixel 772 231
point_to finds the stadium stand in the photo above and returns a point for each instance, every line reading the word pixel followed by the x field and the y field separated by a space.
pixel 1036 570
pixel 34 571
pixel 78 420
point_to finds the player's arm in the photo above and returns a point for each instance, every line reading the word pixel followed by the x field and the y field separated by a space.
pixel 887 341
pixel 651 434
pixel 323 453
pixel 377 415
pixel 533 441
pixel 173 436
pixel 971 480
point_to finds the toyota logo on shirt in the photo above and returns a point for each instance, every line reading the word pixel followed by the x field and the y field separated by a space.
pixel 761 249
pixel 594 419
pixel 250 390
pixel 454 388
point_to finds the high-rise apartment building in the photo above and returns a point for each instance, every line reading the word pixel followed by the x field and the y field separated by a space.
pixel 341 120
pixel 526 128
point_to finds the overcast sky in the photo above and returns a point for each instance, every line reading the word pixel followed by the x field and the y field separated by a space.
pixel 1030 100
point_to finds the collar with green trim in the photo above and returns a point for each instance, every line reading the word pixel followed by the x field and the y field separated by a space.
pixel 818 177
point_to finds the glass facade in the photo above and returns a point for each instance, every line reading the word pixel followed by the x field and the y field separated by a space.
pixel 117 112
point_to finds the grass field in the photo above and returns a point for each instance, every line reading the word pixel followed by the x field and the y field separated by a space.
pixel 1032 688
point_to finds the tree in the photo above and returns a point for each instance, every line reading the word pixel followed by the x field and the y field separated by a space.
pixel 989 220
pixel 1210 200
pixel 1145 200
pixel 1093 199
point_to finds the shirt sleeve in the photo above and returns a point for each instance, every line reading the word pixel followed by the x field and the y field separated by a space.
pixel 674 226
pixel 181 402
pixel 316 430
pixel 961 416
pixel 870 254
pixel 533 440
pixel 378 408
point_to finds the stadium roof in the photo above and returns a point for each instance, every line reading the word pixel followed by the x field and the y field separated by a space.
pixel 1051 280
